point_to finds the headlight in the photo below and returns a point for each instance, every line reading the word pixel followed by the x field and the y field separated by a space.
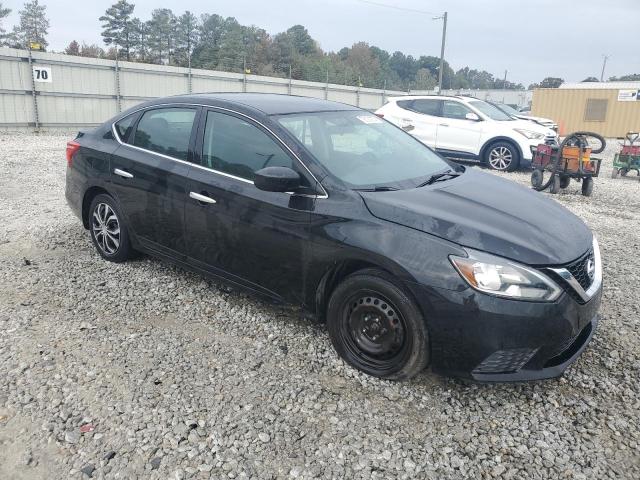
pixel 529 134
pixel 505 278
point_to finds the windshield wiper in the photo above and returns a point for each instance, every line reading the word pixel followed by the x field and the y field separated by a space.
pixel 377 189
pixel 439 177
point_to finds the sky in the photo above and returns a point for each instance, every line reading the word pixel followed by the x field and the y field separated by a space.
pixel 531 39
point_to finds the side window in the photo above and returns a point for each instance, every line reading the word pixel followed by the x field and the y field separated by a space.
pixel 428 107
pixel 239 148
pixel 124 126
pixel 166 131
pixel 455 110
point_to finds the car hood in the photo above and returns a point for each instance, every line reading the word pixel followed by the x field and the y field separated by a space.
pixel 537 119
pixel 485 212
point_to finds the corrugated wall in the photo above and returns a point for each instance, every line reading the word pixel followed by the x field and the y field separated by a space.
pixel 88 91
pixel 568 107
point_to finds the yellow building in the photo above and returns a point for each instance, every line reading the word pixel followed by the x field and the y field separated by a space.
pixel 609 108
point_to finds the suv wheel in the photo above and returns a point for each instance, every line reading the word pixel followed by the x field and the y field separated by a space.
pixel 375 327
pixel 108 232
pixel 502 156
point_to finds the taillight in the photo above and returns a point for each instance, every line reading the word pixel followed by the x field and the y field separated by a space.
pixel 72 148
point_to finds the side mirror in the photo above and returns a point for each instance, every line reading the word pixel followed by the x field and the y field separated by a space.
pixel 472 116
pixel 277 179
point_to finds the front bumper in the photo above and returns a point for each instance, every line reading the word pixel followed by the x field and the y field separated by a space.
pixel 492 339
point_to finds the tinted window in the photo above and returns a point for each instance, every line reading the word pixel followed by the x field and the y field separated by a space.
pixel 454 110
pixel 123 127
pixel 166 131
pixel 428 107
pixel 239 148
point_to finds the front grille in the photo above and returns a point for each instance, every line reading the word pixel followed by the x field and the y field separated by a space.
pixel 580 271
pixel 505 361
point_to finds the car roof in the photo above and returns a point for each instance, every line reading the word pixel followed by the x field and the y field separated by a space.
pixel 432 97
pixel 266 103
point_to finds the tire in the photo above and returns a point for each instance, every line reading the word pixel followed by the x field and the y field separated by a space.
pixel 537 177
pixel 376 327
pixel 555 185
pixel 624 171
pixel 614 172
pixel 564 181
pixel 587 186
pixel 108 232
pixel 502 156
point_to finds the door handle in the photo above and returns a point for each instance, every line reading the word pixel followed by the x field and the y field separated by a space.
pixel 122 173
pixel 201 198
pixel 443 124
pixel 408 128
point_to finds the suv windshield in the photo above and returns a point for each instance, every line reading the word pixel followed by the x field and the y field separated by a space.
pixel 509 110
pixel 490 111
pixel 363 150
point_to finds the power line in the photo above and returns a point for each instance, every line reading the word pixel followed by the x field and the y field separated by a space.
pixel 395 7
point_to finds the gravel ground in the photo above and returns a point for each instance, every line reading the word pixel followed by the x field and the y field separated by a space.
pixel 143 370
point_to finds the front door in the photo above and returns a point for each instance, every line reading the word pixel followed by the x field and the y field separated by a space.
pixel 149 175
pixel 456 133
pixel 255 238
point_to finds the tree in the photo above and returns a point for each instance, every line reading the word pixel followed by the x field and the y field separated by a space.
pixel 140 38
pixel 162 33
pixel 117 26
pixel 92 51
pixel 551 82
pixel 205 53
pixel 73 48
pixel 5 38
pixel 187 32
pixel 424 80
pixel 33 25
pixel 634 77
pixel 590 79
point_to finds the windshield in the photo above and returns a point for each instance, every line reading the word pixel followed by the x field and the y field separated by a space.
pixel 363 150
pixel 507 109
pixel 490 111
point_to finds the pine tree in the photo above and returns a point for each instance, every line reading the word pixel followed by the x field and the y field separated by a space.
pixel 117 26
pixel 5 38
pixel 33 26
pixel 162 33
pixel 187 33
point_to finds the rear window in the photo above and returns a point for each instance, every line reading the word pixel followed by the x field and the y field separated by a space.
pixel 166 131
pixel 424 106
pixel 123 127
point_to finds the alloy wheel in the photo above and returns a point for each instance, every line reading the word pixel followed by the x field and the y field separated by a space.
pixel 500 158
pixel 106 228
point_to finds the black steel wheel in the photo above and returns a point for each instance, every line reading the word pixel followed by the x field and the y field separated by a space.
pixel 108 232
pixel 564 181
pixel 587 186
pixel 376 328
pixel 555 184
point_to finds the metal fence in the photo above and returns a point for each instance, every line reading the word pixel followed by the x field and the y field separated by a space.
pixel 48 90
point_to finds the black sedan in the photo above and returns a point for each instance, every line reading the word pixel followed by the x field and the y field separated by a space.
pixel 410 259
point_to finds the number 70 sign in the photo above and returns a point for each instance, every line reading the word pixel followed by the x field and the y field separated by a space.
pixel 41 74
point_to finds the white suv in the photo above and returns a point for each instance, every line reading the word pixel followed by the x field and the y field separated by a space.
pixel 468 129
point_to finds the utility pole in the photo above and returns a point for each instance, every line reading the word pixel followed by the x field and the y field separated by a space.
pixel 444 37
pixel 604 64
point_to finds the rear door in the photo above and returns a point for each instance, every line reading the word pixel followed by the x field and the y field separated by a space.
pixel 256 238
pixel 421 119
pixel 457 134
pixel 150 173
